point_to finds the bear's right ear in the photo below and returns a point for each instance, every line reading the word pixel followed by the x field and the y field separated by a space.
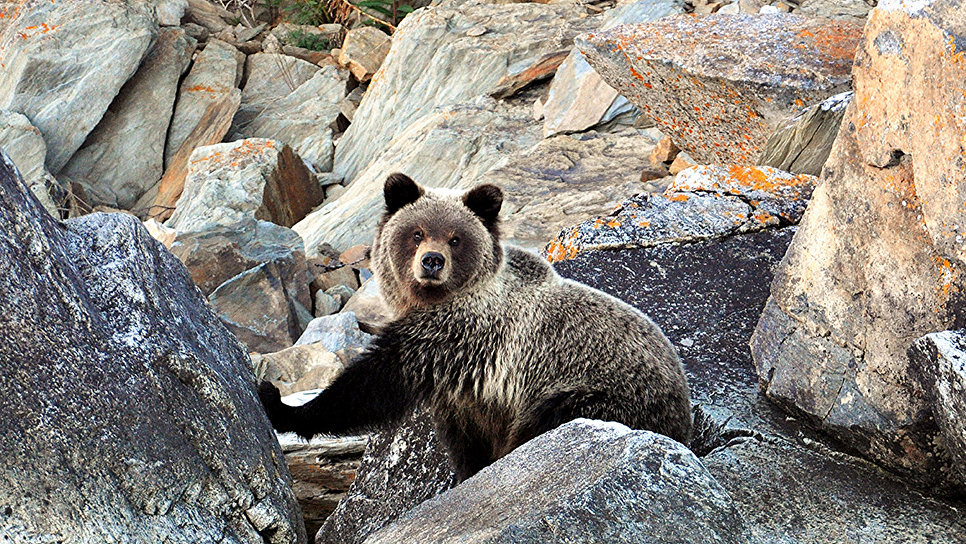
pixel 400 190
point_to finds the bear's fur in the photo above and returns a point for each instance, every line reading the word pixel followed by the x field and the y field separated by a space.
pixel 491 339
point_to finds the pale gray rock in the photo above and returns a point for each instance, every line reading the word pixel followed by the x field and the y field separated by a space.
pixel 853 10
pixel 25 146
pixel 941 358
pixel 170 12
pixel 578 98
pixel 123 157
pixel 68 60
pixel 586 481
pixel 292 101
pixel 364 50
pixel 298 368
pixel 325 304
pixel 208 14
pixel 151 430
pixel 450 147
pixel 434 63
pixel 802 145
pixel 568 176
pixel 216 72
pixel 335 332
pixel 369 306
pixel 239 181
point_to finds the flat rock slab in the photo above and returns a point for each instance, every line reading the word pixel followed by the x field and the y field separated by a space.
pixel 586 481
pixel 942 358
pixel 702 202
pixel 130 411
pixel 720 84
pixel 67 60
pixel 879 257
pixel 802 145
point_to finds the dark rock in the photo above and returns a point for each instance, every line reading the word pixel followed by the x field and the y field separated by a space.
pixel 941 357
pixel 586 481
pixel 129 410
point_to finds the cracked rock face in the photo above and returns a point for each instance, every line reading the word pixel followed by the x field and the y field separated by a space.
pixel 878 259
pixel 129 411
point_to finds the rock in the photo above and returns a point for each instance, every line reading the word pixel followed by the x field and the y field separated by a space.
pixel 244 180
pixel 198 32
pixel 300 110
pixel 325 278
pixel 319 58
pixel 401 468
pixel 209 15
pixel 350 104
pixel 170 12
pixel 68 60
pixel 522 76
pixel 123 157
pixel 579 99
pixel 565 177
pixel 702 202
pixel 847 302
pixel 363 51
pixel 325 304
pixel 357 255
pixel 431 48
pixel 25 146
pixel 215 74
pixel 942 360
pixel 165 393
pixel 719 85
pixel 298 368
pixel 369 306
pixel 289 34
pixel 802 145
pixel 849 10
pixel 341 293
pixel 451 147
pixel 335 332
pixel 682 161
pixel 160 201
pixel 664 152
pixel 161 233
pixel 586 481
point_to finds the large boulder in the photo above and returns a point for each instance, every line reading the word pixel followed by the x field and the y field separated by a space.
pixel 802 145
pixel 129 410
pixel 586 481
pixel 578 98
pixel 68 60
pixel 445 55
pixel 244 180
pixel 124 156
pixel 877 261
pixel 719 85
pixel 25 146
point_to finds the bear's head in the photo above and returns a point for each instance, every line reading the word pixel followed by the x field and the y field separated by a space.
pixel 433 244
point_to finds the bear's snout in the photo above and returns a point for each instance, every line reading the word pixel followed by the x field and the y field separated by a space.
pixel 432 263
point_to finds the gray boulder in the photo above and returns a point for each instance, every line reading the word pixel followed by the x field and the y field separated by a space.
pixel 25 146
pixel 68 60
pixel 941 357
pixel 335 333
pixel 130 411
pixel 802 145
pixel 586 481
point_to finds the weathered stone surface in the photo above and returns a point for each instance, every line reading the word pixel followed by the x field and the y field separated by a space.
pixel 363 51
pixel 298 368
pixel 850 10
pixel 564 177
pixel 941 358
pixel 803 143
pixel 435 63
pixel 451 147
pixel 287 33
pixel 173 445
pixel 586 481
pixel 123 157
pixel 300 110
pixel 702 202
pixel 720 84
pixel 159 202
pixel 369 306
pixel 335 333
pixel 68 60
pixel 170 12
pixel 579 99
pixel 325 304
pixel 25 146
pixel 215 74
pixel 209 15
pixel 238 181
pixel 401 468
pixel 848 302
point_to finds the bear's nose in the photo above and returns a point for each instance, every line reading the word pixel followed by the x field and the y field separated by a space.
pixel 433 262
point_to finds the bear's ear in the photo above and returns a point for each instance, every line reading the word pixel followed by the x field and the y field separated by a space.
pixel 400 190
pixel 485 202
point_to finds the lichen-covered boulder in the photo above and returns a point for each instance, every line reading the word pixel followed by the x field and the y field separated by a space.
pixel 878 260
pixel 129 411
pixel 719 85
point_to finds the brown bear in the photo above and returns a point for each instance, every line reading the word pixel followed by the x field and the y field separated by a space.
pixel 496 344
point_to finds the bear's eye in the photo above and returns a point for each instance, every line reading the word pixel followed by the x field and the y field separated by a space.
pixel 418 236
pixel 454 241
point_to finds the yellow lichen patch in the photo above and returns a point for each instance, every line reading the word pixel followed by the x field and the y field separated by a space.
pixel 613 223
pixel 644 224
pixel 36 30
pixel 680 197
pixel 598 223
pixel 947 277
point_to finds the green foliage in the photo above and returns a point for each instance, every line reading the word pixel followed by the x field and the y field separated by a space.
pixel 319 12
pixel 391 10
pixel 306 12
pixel 306 40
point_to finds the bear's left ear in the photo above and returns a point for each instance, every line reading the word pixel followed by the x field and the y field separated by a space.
pixel 400 190
pixel 485 202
